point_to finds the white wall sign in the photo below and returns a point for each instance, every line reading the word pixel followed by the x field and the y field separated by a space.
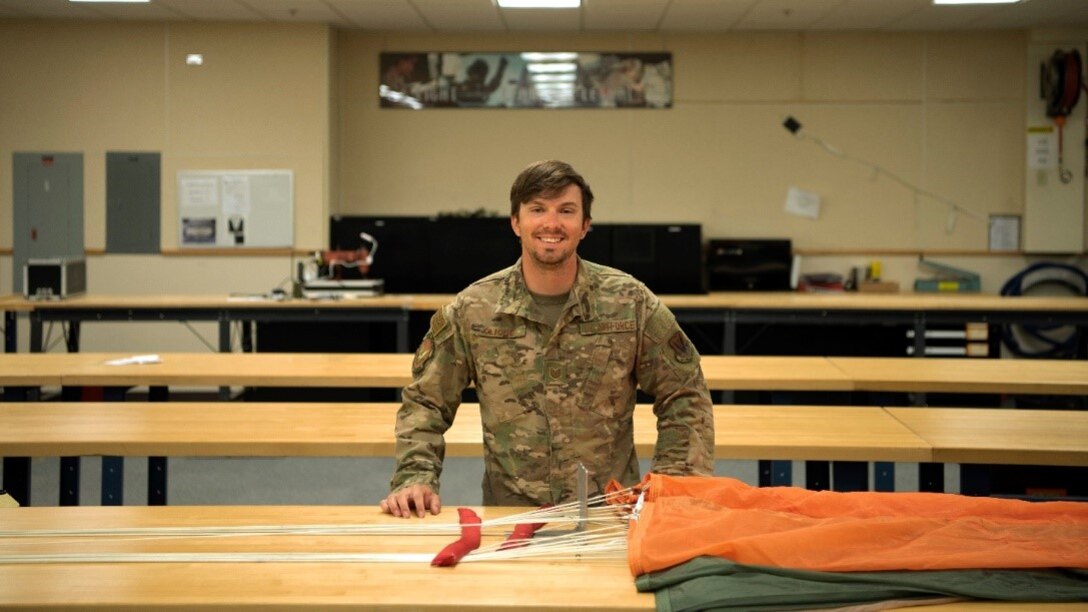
pixel 236 208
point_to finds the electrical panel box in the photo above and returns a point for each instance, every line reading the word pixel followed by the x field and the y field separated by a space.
pixel 54 279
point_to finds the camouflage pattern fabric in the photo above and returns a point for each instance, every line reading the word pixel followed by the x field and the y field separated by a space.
pixel 551 398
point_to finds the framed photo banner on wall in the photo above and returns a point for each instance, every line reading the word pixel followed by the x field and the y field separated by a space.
pixel 525 80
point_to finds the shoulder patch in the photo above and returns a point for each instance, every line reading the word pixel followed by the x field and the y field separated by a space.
pixel 660 325
pixel 681 347
pixel 438 321
pixel 423 355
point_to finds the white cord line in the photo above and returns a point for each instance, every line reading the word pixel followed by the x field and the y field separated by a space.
pixel 538 516
pixel 561 514
pixel 878 170
pixel 606 542
pixel 238 530
pixel 261 557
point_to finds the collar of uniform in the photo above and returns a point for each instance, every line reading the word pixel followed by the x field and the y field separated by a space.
pixel 517 301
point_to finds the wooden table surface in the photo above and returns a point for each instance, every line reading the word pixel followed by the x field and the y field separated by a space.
pixel 827 433
pixel 1048 376
pixel 392 370
pixel 759 373
pixel 15 303
pixel 770 300
pixel 354 370
pixel 196 369
pixel 179 429
pixel 1023 437
pixel 536 585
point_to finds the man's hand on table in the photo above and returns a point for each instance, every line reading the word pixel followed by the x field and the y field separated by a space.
pixel 420 498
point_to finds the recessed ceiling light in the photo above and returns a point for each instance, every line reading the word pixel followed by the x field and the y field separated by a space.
pixel 194 59
pixel 975 1
pixel 557 4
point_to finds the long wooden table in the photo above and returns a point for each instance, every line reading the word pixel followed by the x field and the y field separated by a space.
pixel 388 370
pixel 514 586
pixel 1026 376
pixel 984 435
pixel 828 433
pixel 393 370
pixel 178 429
pixel 917 310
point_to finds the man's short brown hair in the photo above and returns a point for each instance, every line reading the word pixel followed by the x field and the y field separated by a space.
pixel 547 179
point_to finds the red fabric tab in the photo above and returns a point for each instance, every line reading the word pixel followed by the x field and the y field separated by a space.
pixel 469 541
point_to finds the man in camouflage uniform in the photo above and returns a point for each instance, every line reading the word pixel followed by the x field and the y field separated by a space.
pixel 555 346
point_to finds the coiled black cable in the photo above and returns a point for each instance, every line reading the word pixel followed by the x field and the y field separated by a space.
pixel 1044 273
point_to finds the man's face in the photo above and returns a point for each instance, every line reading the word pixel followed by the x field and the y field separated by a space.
pixel 551 228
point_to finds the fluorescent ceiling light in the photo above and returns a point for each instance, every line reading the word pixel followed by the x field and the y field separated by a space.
pixel 562 56
pixel 565 77
pixel 546 4
pixel 552 67
pixel 975 1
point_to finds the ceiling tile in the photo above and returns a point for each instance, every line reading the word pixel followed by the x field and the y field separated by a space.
pixel 945 17
pixel 460 15
pixel 139 12
pixel 623 14
pixel 294 10
pixel 212 10
pixel 54 9
pixel 1037 14
pixel 786 14
pixel 537 20
pixel 705 15
pixel 380 14
pixel 867 14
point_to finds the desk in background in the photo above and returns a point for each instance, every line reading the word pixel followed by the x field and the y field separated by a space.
pixel 392 370
pixel 225 310
pixel 728 309
pixel 11 305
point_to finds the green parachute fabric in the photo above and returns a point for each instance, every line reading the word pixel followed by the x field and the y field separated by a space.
pixel 712 583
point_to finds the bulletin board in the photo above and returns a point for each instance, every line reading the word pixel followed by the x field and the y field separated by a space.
pixel 235 208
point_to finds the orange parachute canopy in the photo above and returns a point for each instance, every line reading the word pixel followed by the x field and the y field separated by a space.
pixel 684 517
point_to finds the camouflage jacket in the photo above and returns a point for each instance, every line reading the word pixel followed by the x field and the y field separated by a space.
pixel 550 399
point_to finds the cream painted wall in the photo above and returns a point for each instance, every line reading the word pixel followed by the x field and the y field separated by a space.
pixel 944 111
pixel 261 100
